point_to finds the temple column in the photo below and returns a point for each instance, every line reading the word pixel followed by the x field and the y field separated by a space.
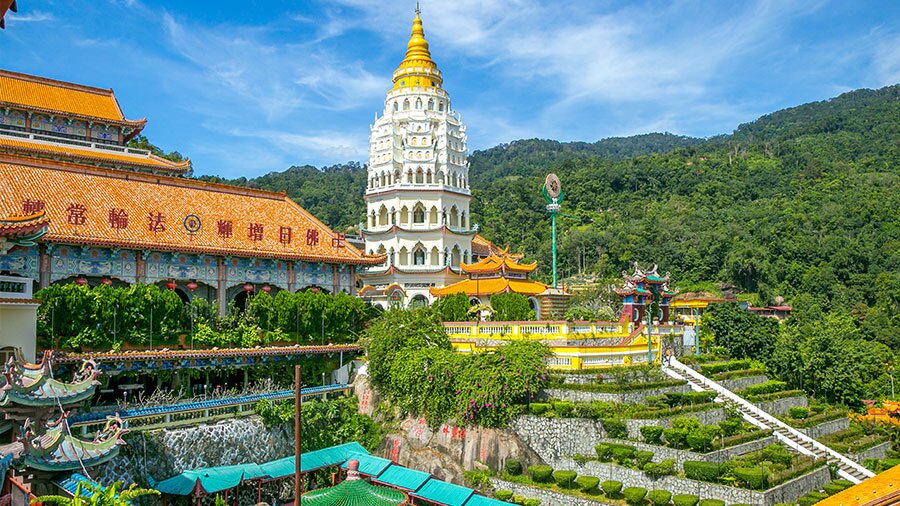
pixel 292 280
pixel 140 267
pixel 44 266
pixel 335 280
pixel 222 286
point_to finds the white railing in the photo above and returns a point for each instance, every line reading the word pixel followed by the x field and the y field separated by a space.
pixel 48 137
pixel 551 328
pixel 748 407
pixel 14 287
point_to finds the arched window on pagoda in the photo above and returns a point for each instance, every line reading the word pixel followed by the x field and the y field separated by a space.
pixel 383 216
pixel 419 255
pixel 441 107
pixel 409 176
pixel 404 215
pixel 419 214
pixel 429 177
pixel 396 107
pixel 414 141
pixel 430 104
pixel 420 176
pixel 404 256
pixel 372 221
pixel 406 105
pixel 455 257
pixel 418 103
pixel 382 251
pixel 397 176
pixel 433 215
pixel 435 256
pixel 454 217
pixel 462 219
pixel 466 258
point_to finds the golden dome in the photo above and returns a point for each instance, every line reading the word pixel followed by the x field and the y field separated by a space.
pixel 417 68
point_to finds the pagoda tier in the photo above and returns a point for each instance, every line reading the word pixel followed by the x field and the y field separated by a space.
pixel 501 264
pixel 29 391
pixel 639 290
pixel 55 450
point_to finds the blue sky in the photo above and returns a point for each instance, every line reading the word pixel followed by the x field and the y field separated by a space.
pixel 249 87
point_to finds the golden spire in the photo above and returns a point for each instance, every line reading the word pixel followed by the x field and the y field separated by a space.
pixel 417 68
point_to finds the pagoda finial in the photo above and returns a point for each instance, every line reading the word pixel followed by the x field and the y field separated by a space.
pixel 417 68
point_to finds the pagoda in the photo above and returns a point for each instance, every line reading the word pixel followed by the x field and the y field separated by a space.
pixel 639 291
pixel 417 196
pixel 354 490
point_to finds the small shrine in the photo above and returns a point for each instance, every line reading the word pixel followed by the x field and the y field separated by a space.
pixel 643 288
pixel 504 272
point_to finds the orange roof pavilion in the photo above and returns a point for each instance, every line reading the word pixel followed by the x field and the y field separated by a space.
pixel 496 273
pixel 881 490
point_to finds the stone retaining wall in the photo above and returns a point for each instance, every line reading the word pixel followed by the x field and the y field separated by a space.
pixel 825 428
pixel 742 383
pixel 878 451
pixel 547 497
pixel 682 456
pixel 785 493
pixel 636 397
pixel 782 406
pixel 710 417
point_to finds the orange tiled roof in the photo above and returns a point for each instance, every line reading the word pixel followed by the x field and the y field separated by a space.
pixel 491 286
pixel 60 185
pixel 482 247
pixel 52 96
pixel 18 226
pixel 882 489
pixel 151 161
pixel 499 262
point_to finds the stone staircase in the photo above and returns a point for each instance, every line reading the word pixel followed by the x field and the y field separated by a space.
pixel 791 437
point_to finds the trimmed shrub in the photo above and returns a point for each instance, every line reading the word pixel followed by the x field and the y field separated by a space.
pixel 563 408
pixel 611 488
pixel 811 498
pixel 587 483
pixel 539 408
pixel 518 499
pixel 532 502
pixel 652 434
pixel 798 413
pixel 731 426
pixel 642 457
pixel 604 452
pixel 614 428
pixel 844 483
pixel 676 438
pixel 703 471
pixel 755 478
pixel 712 502
pixel 766 387
pixel 836 486
pixel 622 454
pixel 685 500
pixel 699 440
pixel 503 495
pixel 540 474
pixel 777 454
pixel 634 495
pixel 659 497
pixel 661 468
pixel 733 365
pixel 513 467
pixel 564 478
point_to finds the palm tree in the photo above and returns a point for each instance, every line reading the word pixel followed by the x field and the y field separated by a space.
pixel 92 494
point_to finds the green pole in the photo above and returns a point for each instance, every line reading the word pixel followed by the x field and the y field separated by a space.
pixel 649 333
pixel 553 240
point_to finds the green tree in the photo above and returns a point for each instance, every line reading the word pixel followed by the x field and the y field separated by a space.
pixel 89 494
pixel 452 308
pixel 742 333
pixel 511 307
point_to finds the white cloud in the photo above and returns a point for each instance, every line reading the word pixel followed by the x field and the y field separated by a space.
pixel 29 17
pixel 887 61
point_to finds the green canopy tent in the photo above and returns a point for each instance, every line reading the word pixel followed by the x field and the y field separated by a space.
pixel 354 492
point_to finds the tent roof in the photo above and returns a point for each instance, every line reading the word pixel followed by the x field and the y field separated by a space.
pixel 333 456
pixel 370 465
pixel 442 492
pixel 480 500
pixel 399 476
pixel 353 493
pixel 210 480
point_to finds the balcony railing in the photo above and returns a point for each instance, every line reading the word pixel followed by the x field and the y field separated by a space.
pixel 14 287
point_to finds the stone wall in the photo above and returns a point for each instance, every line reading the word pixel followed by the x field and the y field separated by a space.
pixel 709 417
pixel 878 451
pixel 682 456
pixel 636 397
pixel 825 428
pixel 786 492
pixel 781 406
pixel 547 497
pixel 162 454
pixel 742 383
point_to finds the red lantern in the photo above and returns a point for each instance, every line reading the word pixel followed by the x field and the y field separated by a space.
pixel 267 288
pixel 171 285
pixel 248 287
pixel 105 281
pixel 314 289
pixel 81 281
pixel 192 286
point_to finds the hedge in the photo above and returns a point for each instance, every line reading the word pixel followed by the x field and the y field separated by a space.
pixel 513 467
pixel 742 438
pixel 539 408
pixel 766 387
pixel 652 434
pixel 614 428
pixel 611 488
pixel 712 502
pixel 754 477
pixel 614 388
pixel 622 454
pixel 540 474
pixel 588 483
pixel 642 457
pixel 703 471
pixel 518 499
pixel 564 478
pixel 662 468
pixel 822 417
pixel 685 500
pixel 742 373
pixel 503 495
pixel 659 497
pixel 563 408
pixel 798 413
pixel 634 495
pixel 656 414
pixel 733 365
pixel 811 498
pixel 604 452
pixel 774 396
pixel 532 502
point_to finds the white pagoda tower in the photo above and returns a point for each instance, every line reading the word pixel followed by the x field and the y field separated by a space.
pixel 417 197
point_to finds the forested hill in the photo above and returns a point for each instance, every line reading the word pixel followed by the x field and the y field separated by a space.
pixel 801 201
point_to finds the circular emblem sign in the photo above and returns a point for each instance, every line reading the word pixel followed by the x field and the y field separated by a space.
pixel 192 223
pixel 553 185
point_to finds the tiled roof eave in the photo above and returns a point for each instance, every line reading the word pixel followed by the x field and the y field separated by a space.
pixel 162 163
pixel 137 124
pixel 75 240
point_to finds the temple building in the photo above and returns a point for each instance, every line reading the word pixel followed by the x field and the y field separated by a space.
pixel 77 203
pixel 642 288
pixel 417 197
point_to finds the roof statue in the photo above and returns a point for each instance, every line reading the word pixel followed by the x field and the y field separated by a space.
pixel 354 490
pixel 57 450
pixel 33 385
pixel 22 230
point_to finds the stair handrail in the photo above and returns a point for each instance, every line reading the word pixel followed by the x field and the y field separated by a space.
pixel 722 391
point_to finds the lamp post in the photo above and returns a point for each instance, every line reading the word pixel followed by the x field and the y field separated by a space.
pixel 654 297
pixel 553 194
